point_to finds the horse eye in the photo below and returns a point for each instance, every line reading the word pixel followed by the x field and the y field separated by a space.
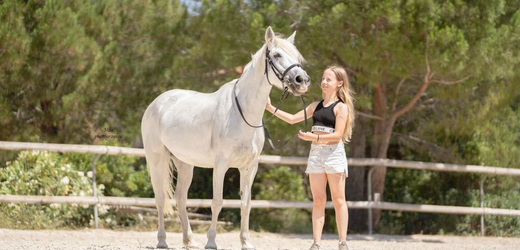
pixel 277 55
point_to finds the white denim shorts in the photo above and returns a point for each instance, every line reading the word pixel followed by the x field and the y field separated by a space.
pixel 327 159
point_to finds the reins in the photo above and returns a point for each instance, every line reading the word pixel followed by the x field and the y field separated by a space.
pixel 285 142
pixel 280 76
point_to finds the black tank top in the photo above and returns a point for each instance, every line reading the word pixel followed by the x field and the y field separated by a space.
pixel 324 117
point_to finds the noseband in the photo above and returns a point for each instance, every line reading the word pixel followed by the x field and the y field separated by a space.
pixel 281 76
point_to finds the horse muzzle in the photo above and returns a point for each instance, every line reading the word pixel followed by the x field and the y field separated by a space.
pixel 299 84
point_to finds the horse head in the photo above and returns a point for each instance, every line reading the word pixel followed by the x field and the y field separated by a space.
pixel 283 64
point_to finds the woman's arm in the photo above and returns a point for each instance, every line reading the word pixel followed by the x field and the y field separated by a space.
pixel 290 118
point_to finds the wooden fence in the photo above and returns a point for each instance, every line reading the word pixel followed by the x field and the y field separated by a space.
pixel 270 159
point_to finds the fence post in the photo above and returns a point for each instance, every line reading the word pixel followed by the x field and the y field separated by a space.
pixel 94 189
pixel 482 229
pixel 369 198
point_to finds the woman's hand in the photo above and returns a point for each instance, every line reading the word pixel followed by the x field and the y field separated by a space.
pixel 307 136
pixel 268 104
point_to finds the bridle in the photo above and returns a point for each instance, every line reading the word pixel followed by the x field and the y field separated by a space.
pixel 281 76
pixel 276 70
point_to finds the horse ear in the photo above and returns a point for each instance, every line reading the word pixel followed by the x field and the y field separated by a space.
pixel 291 38
pixel 269 35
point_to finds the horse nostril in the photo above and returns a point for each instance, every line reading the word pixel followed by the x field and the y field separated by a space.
pixel 299 79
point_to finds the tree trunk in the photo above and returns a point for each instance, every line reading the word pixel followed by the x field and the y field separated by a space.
pixel 379 174
pixel 379 108
pixel 383 132
pixel 47 126
pixel 355 186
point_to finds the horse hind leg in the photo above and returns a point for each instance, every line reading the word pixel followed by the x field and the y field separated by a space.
pixel 161 174
pixel 184 178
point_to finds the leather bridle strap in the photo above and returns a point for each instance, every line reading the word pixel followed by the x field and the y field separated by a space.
pixel 242 112
pixel 281 77
pixel 277 72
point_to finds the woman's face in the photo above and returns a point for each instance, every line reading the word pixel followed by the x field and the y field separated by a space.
pixel 329 82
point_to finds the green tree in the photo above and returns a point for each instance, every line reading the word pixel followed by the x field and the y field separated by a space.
pixel 396 50
pixel 435 80
pixel 142 44
pixel 480 128
pixel 47 53
pixel 78 67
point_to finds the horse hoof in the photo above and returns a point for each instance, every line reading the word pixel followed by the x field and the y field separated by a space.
pixel 162 245
pixel 248 247
pixel 210 246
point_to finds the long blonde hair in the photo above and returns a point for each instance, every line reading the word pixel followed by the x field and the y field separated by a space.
pixel 345 94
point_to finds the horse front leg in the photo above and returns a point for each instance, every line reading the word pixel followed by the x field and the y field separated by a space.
pixel 216 206
pixel 247 175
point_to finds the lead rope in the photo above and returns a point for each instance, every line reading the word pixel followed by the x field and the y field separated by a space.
pixel 283 144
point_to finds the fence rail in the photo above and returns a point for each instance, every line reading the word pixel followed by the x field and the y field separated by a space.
pixel 266 159
pixel 270 159
pixel 264 204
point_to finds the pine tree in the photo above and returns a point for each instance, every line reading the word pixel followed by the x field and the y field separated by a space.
pixel 396 50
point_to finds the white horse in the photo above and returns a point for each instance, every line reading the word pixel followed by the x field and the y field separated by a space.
pixel 207 130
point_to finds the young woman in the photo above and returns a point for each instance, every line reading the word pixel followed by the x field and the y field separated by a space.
pixel 333 119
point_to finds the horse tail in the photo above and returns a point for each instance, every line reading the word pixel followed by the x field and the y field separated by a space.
pixel 161 171
pixel 168 188
pixel 160 165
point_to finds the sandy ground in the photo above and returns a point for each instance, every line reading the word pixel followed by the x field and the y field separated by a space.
pixel 112 240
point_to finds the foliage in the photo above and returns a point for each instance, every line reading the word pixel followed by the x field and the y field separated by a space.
pixel 71 69
pixel 120 175
pixel 84 65
pixel 42 173
pixel 493 143
pixel 52 174
pixel 414 186
pixel 397 51
pixel 280 184
pixel 499 192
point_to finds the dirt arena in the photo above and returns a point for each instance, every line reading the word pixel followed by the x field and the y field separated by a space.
pixel 112 240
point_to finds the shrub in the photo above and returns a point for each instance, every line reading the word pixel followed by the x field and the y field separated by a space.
pixel 45 174
pixel 281 184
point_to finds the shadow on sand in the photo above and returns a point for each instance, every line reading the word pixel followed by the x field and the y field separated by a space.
pixel 361 237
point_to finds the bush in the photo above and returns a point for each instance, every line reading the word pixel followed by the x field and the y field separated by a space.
pixel 120 175
pixel 453 189
pixel 499 192
pixel 281 184
pixel 44 174
pixel 54 174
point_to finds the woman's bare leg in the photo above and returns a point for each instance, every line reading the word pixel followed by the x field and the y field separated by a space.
pixel 319 195
pixel 337 189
